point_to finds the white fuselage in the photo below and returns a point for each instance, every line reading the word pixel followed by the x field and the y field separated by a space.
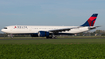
pixel 19 29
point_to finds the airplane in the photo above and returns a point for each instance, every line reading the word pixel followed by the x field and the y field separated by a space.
pixel 51 31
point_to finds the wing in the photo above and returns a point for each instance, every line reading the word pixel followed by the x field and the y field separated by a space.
pixel 61 30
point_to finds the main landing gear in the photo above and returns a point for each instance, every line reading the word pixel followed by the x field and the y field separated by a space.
pixel 51 37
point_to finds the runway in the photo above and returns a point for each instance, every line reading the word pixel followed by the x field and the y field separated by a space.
pixel 59 40
pixel 43 38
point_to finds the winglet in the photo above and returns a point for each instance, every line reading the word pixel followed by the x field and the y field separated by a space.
pixel 91 20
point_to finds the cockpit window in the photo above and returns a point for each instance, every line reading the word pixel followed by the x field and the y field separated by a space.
pixel 5 27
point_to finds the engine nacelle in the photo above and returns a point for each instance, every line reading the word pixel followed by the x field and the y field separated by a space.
pixel 43 34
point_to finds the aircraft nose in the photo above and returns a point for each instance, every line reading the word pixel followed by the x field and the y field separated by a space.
pixel 5 30
pixel 2 30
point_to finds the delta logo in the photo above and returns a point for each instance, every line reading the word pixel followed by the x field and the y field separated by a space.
pixel 15 27
pixel 20 27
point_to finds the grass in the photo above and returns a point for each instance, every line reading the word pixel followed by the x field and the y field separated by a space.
pixel 41 48
pixel 52 51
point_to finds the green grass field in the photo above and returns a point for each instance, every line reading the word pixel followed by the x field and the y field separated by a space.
pixel 41 48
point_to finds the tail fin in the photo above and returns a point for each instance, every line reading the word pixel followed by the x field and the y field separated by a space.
pixel 91 20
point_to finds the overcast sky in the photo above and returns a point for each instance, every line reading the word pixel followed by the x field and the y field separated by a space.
pixel 51 12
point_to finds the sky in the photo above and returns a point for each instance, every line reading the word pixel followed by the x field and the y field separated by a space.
pixel 51 12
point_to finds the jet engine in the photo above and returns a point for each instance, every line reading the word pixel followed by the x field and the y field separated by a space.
pixel 43 34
